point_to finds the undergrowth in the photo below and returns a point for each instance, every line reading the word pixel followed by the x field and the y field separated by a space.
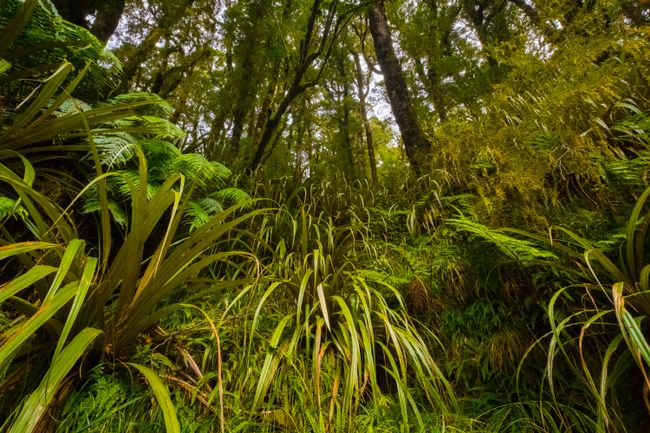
pixel 143 288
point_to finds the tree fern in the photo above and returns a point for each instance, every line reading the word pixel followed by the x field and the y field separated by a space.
pixel 48 39
pixel 164 160
pixel 156 106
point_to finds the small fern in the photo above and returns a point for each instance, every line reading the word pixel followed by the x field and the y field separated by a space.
pixel 10 208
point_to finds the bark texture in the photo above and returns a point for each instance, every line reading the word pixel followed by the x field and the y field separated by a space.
pixel 415 143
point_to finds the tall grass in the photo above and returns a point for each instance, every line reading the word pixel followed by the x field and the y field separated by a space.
pixel 597 343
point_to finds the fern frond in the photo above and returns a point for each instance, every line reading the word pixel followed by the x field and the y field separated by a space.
pixel 160 128
pixel 92 204
pixel 11 208
pixel 115 149
pixel 48 39
pixel 518 249
pixel 634 128
pixel 121 184
pixel 195 216
pixel 156 106
pixel 198 169
pixel 220 171
pixel 632 172
pixel 70 106
pixel 233 195
pixel 158 151
pixel 210 205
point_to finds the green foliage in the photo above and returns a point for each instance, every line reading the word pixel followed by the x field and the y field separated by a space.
pixel 339 337
pixel 516 249
pixel 556 134
pixel 391 305
pixel 589 320
pixel 44 41
pixel 118 152
pixel 76 308
pixel 629 282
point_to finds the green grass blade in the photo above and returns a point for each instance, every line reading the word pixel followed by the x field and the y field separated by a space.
pixel 67 260
pixel 271 362
pixel 33 275
pixel 53 83
pixel 630 244
pixel 18 335
pixel 162 396
pixel 38 401
pixel 17 23
pixel 323 304
pixel 82 290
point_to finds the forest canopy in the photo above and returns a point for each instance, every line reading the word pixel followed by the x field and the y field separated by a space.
pixel 325 215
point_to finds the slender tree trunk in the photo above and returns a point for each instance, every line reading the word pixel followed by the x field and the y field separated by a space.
pixel 415 143
pixel 361 92
pixel 314 46
pixel 345 141
pixel 246 80
pixel 433 87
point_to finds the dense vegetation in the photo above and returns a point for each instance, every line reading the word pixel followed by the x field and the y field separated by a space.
pixel 324 216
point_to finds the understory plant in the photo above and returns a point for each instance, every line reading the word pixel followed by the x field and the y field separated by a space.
pixel 73 298
pixel 604 338
pixel 597 347
pixel 342 339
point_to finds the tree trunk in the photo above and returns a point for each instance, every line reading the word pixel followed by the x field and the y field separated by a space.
pixel 345 142
pixel 415 143
pixel 433 87
pixel 106 13
pixel 361 91
pixel 323 43
pixel 245 76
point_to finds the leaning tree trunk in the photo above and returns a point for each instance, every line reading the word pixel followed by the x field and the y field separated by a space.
pixel 415 143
